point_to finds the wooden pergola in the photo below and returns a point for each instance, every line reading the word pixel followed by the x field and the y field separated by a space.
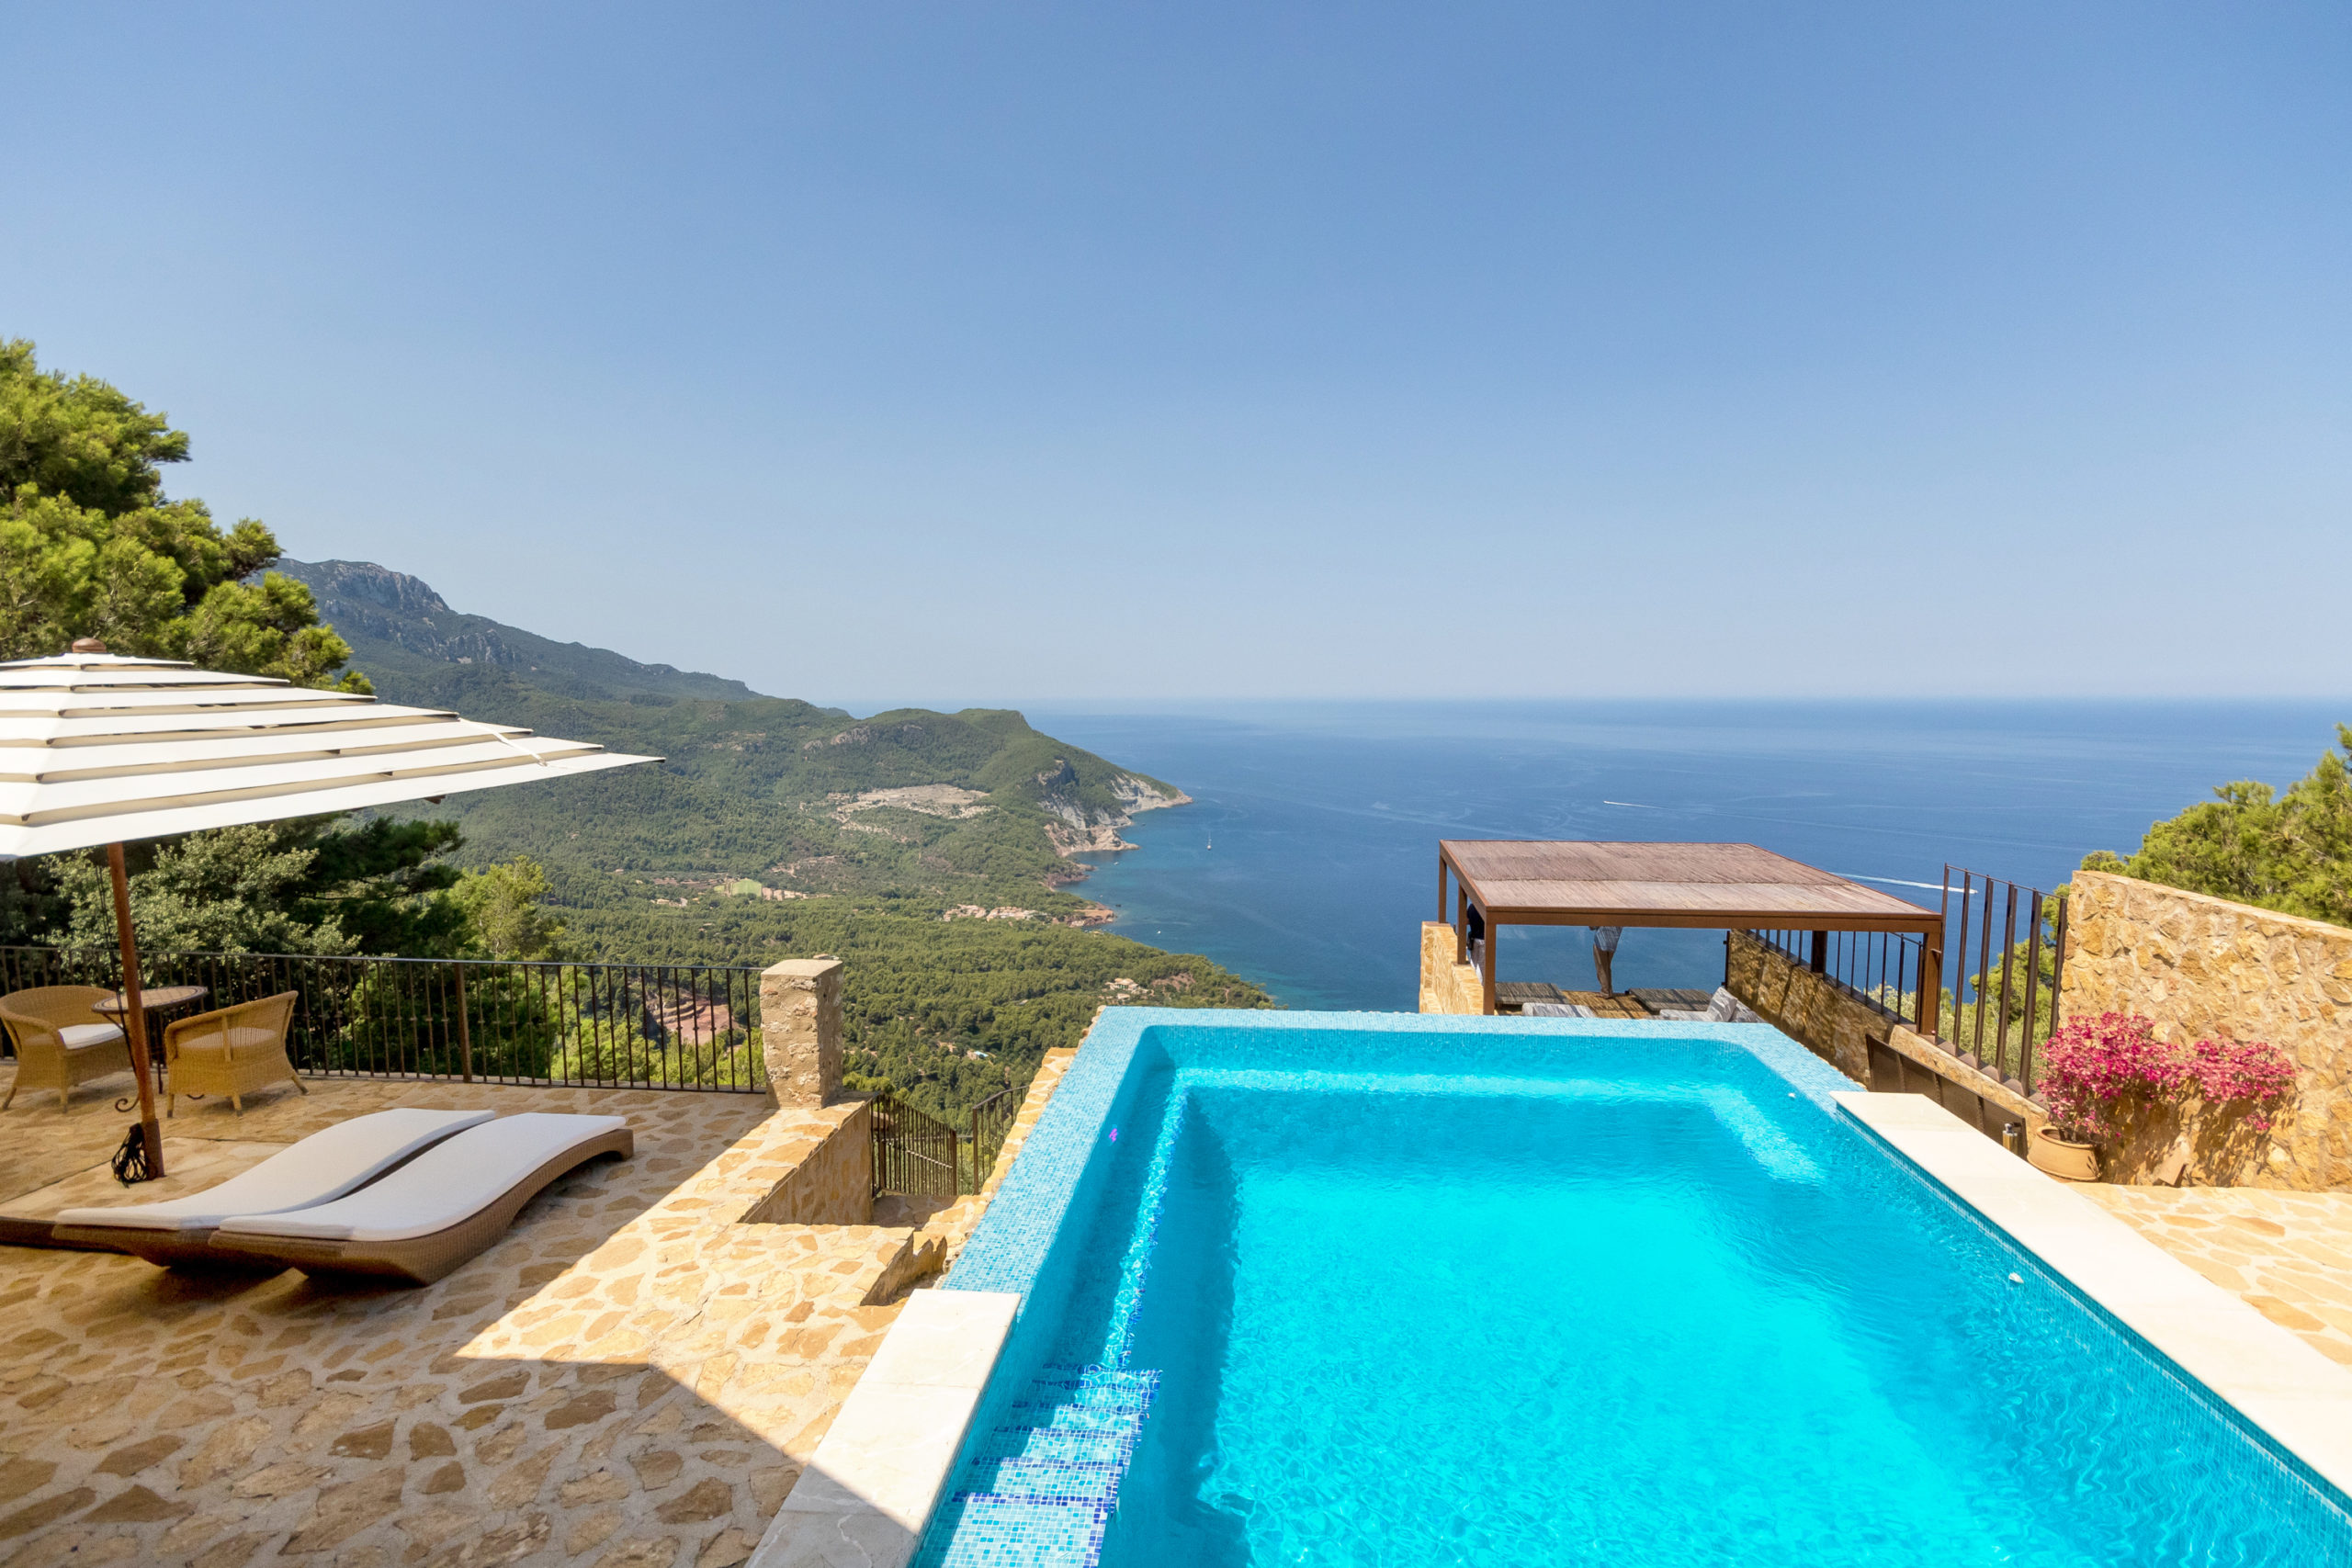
pixel 1522 882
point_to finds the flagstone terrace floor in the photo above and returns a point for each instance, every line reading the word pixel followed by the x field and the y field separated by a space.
pixel 2288 1253
pixel 629 1377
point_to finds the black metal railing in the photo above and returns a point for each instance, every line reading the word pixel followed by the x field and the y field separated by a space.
pixel 914 1152
pixel 2006 952
pixel 676 1026
pixel 991 1121
pixel 1881 968
pixel 1999 969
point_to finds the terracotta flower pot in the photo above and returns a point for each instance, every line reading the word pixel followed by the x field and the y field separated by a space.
pixel 2062 1156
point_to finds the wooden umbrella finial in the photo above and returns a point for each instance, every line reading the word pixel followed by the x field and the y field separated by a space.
pixel 89 645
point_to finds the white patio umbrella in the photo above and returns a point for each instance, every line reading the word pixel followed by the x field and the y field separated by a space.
pixel 98 749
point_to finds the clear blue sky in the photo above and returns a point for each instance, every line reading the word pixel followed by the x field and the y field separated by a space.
pixel 961 352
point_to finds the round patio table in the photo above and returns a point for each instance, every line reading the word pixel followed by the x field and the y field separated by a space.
pixel 154 1003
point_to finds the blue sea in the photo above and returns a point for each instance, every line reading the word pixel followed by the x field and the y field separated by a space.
pixel 1309 858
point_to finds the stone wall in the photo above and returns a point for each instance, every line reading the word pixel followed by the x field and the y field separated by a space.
pixel 1864 1043
pixel 833 1183
pixel 2206 968
pixel 1446 986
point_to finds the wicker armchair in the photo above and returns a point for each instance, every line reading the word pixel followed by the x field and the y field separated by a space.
pixel 60 1041
pixel 232 1051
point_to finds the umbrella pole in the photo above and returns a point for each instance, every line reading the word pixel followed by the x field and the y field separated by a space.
pixel 134 1016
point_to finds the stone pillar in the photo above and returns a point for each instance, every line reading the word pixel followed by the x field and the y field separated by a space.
pixel 800 1031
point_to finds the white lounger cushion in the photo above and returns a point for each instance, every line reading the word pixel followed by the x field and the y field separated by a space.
pixel 82 1036
pixel 1724 1007
pixel 442 1187
pixel 320 1169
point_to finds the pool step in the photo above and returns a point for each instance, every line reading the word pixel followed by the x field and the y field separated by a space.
pixel 1041 1487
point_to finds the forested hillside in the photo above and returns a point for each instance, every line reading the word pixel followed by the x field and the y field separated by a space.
pixel 776 828
pixel 948 1012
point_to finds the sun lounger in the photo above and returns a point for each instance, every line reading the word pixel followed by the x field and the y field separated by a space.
pixel 322 1167
pixel 424 1219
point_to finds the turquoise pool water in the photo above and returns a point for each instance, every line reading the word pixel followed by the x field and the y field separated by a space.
pixel 1338 1295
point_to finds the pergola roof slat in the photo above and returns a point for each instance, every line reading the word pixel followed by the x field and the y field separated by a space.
pixel 1575 881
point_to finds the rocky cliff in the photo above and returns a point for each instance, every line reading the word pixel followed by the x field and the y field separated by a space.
pixel 1075 829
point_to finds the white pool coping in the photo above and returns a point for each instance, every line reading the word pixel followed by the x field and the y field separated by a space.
pixel 2301 1399
pixel 870 1488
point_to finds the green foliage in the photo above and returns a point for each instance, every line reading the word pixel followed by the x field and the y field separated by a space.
pixel 385 882
pixel 80 438
pixel 90 546
pixel 504 907
pixel 306 885
pixel 232 890
pixel 2291 852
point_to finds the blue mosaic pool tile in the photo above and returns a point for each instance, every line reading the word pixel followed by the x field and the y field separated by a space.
pixel 985 1531
pixel 1055 1480
pixel 1057 1445
pixel 1043 1483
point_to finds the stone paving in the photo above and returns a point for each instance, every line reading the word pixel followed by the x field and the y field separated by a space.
pixel 2288 1254
pixel 631 1376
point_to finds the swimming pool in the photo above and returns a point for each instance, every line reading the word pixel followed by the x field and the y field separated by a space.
pixel 1327 1288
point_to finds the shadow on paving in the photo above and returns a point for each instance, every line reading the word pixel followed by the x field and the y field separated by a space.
pixel 170 1416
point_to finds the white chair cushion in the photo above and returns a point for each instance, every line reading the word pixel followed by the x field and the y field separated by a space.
pixel 447 1183
pixel 322 1166
pixel 82 1036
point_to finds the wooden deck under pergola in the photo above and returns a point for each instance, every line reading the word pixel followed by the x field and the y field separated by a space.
pixel 1569 882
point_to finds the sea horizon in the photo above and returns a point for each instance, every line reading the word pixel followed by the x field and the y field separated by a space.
pixel 1307 860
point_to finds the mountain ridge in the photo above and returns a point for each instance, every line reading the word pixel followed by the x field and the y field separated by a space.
pixel 915 810
pixel 398 626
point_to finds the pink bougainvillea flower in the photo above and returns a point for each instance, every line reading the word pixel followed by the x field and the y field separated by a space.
pixel 2253 1071
pixel 2093 1065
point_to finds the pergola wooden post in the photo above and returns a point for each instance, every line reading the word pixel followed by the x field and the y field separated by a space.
pixel 1702 887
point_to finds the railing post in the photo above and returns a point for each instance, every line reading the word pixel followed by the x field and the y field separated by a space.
pixel 1820 961
pixel 1494 954
pixel 2057 980
pixel 1931 984
pixel 2032 983
pixel 2001 1017
pixel 465 1029
pixel 1960 966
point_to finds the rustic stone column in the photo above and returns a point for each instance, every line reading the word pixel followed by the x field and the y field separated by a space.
pixel 800 1031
